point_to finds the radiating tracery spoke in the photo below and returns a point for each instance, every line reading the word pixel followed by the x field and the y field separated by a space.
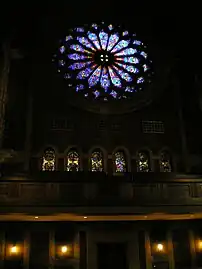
pixel 102 61
pixel 94 78
pixel 103 39
pixel 105 81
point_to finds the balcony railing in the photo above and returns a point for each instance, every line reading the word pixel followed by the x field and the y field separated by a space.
pixel 94 190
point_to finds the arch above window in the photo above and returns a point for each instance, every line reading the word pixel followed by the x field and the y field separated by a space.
pixel 143 161
pixel 72 160
pixel 120 164
pixel 97 161
pixel 48 162
pixel 165 161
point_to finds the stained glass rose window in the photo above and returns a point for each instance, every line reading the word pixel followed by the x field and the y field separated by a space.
pixel 103 62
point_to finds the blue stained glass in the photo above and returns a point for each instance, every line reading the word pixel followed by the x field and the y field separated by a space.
pixel 137 42
pixel 125 33
pixel 112 41
pixel 86 72
pixel 103 39
pixel 129 68
pixel 62 49
pixel 94 25
pixel 104 80
pixel 79 65
pixel 96 93
pixel 94 78
pixel 79 87
pixel 110 27
pixel 67 76
pixel 78 48
pixel 93 37
pixel 145 67
pixel 113 93
pixel 122 60
pixel 114 78
pixel 79 29
pixel 128 89
pixel 76 56
pixel 132 69
pixel 128 51
pixel 69 37
pixel 144 54
pixel 140 80
pixel 122 44
pixel 132 60
pixel 123 74
pixel 61 62
pixel 84 41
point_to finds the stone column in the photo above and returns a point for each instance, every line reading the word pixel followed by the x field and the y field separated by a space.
pixel 170 250
pixel 148 250
pixel 4 73
pixel 2 248
pixel 28 139
pixel 192 248
pixel 26 249
pixel 83 249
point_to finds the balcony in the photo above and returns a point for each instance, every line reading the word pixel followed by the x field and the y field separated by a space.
pixel 138 195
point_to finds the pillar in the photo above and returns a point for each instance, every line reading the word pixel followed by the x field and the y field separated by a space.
pixel 170 250
pixel 148 251
pixel 4 73
pixel 28 139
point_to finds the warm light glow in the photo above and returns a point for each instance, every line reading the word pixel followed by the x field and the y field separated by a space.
pixel 36 217
pixel 64 249
pixel 14 250
pixel 85 217
pixel 160 247
pixel 199 245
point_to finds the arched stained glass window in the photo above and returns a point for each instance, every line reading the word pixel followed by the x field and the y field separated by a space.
pixel 165 162
pixel 101 61
pixel 97 161
pixel 120 162
pixel 73 161
pixel 143 162
pixel 48 162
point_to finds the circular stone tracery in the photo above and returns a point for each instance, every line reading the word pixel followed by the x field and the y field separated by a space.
pixel 104 62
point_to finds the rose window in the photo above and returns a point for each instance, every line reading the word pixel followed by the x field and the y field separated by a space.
pixel 103 62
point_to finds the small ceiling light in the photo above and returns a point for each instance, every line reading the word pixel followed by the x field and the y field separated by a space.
pixel 13 250
pixel 85 217
pixel 160 247
pixel 199 245
pixel 36 217
pixel 64 249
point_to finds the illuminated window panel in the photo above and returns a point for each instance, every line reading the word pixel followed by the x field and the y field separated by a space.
pixel 165 162
pixel 106 59
pixel 143 162
pixel 97 161
pixel 120 162
pixel 48 162
pixel 73 161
